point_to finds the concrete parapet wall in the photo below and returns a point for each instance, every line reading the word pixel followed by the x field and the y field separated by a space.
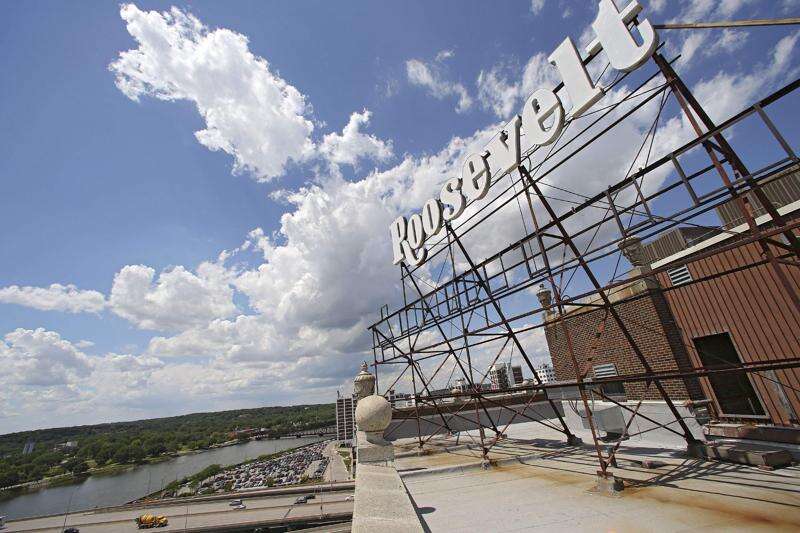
pixel 382 502
pixel 466 419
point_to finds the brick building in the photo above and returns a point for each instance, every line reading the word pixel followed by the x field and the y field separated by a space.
pixel 724 310
pixel 602 350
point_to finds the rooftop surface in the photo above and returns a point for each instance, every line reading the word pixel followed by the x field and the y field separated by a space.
pixel 538 483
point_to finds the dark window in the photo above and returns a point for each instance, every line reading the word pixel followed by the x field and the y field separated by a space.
pixel 734 391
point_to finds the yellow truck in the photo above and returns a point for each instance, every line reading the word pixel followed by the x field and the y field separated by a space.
pixel 146 521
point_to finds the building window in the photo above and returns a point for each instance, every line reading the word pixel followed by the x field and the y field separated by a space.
pixel 609 370
pixel 679 276
pixel 733 390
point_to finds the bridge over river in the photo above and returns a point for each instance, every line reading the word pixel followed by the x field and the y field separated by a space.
pixel 329 431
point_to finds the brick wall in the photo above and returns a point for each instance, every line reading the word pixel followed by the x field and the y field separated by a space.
pixel 649 320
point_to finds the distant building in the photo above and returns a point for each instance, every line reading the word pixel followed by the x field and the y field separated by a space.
pixel 516 375
pixel 245 433
pixel 66 446
pixel 499 374
pixel 391 396
pixel 404 400
pixel 345 418
pixel 28 448
pixel 546 373
pixel 505 375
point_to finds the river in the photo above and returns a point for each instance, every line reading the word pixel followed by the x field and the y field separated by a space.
pixel 116 489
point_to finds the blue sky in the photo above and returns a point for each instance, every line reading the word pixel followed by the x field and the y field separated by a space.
pixel 178 304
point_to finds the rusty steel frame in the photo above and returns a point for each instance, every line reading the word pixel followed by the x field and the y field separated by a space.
pixel 479 291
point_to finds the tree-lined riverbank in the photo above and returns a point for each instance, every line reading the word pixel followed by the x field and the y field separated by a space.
pixel 135 482
pixel 58 454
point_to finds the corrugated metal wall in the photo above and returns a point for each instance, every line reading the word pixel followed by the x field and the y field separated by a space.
pixel 752 307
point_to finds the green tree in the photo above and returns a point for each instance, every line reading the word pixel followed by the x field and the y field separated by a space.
pixel 72 463
pixel 154 446
pixel 9 477
pixel 105 454
pixel 47 459
pixel 122 454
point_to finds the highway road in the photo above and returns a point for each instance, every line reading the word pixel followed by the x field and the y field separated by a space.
pixel 197 516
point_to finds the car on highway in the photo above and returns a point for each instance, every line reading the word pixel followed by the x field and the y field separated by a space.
pixel 310 496
pixel 72 530
pixel 235 503
pixel 301 499
pixel 349 498
pixel 147 521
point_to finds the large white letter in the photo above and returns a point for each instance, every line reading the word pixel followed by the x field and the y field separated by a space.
pixel 415 258
pixel 613 36
pixel 576 80
pixel 475 177
pixel 416 233
pixel 537 110
pixel 452 199
pixel 401 247
pixel 398 231
pixel 504 150
pixel 432 217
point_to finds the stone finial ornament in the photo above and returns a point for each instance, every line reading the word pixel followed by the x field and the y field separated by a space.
pixel 373 415
pixel 364 383
pixel 631 248
pixel 544 295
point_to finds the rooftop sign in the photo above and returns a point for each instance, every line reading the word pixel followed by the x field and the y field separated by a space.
pixel 543 107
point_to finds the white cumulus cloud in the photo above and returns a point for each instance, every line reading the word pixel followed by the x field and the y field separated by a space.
pixel 431 77
pixel 56 297
pixel 41 358
pixel 353 144
pixel 177 299
pixel 502 90
pixel 250 112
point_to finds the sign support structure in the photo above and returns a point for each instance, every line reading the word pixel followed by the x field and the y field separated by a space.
pixel 464 310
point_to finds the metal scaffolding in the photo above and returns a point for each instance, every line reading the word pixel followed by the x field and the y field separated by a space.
pixel 461 312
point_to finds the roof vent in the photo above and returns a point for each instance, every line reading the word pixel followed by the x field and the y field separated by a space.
pixel 607 370
pixel 679 276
